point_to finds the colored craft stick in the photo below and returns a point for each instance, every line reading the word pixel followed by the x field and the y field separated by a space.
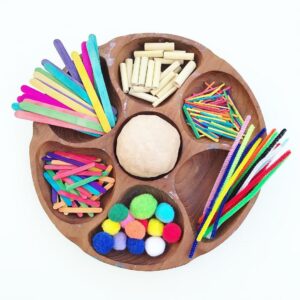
pixel 86 62
pixel 80 189
pixel 80 199
pixel 191 122
pixel 74 204
pixel 82 182
pixel 76 210
pixel 86 186
pixel 66 59
pixel 73 171
pixel 62 116
pixel 50 121
pixel 95 184
pixel 89 173
pixel 58 167
pixel 71 103
pixel 53 195
pixel 30 93
pixel 66 80
pixel 91 92
pixel 46 74
pixel 100 85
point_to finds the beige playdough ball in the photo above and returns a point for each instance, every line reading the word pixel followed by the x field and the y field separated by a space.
pixel 148 146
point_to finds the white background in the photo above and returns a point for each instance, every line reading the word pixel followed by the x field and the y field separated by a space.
pixel 261 260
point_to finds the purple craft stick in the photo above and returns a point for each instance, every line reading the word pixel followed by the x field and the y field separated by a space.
pixel 53 195
pixel 30 93
pixel 226 162
pixel 66 59
pixel 65 159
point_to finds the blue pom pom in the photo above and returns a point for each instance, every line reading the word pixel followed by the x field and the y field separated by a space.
pixel 165 212
pixel 135 247
pixel 103 242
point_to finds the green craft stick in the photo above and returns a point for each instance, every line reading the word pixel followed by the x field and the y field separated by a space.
pixel 223 128
pixel 55 114
pixel 81 182
pixel 190 121
pixel 45 73
pixel 242 203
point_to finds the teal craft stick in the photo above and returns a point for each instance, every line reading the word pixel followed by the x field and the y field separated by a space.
pixel 56 186
pixel 15 106
pixel 86 186
pixel 81 182
pixel 213 135
pixel 66 80
pixel 99 79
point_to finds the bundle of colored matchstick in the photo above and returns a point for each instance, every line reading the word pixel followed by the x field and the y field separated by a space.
pixel 247 167
pixel 77 182
pixel 144 77
pixel 74 97
pixel 212 113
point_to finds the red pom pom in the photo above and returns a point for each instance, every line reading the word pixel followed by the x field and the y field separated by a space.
pixel 144 222
pixel 172 233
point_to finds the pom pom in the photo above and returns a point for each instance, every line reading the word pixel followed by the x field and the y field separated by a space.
pixel 172 233
pixel 120 241
pixel 155 227
pixel 129 218
pixel 111 227
pixel 165 212
pixel 102 243
pixel 118 212
pixel 144 222
pixel 136 247
pixel 155 246
pixel 143 206
pixel 135 230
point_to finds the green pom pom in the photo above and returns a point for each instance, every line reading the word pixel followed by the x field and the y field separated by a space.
pixel 118 212
pixel 143 206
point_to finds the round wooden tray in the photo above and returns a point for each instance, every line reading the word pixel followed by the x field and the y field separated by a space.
pixel 187 186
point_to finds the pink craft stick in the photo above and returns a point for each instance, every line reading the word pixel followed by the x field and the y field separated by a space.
pixel 40 97
pixel 59 167
pixel 83 160
pixel 83 192
pixel 86 62
pixel 80 215
pixel 89 173
pixel 88 158
pixel 73 171
pixel 80 199
pixel 25 115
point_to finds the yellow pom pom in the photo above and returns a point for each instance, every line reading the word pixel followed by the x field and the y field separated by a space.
pixel 155 227
pixel 111 227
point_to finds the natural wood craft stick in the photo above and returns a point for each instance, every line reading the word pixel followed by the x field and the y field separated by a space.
pixel 76 210
pixel 156 75
pixel 129 67
pixel 152 53
pixel 185 73
pixel 143 70
pixel 178 55
pixel 143 96
pixel 135 71
pixel 167 46
pixel 124 78
pixel 150 72
pixel 169 69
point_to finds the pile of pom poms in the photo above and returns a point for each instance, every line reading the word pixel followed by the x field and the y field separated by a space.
pixel 145 227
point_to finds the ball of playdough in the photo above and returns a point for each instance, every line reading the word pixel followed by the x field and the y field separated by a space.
pixel 155 246
pixel 148 146
pixel 143 206
pixel 120 241
pixel 129 218
pixel 118 212
pixel 136 247
pixel 135 230
pixel 165 212
pixel 155 227
pixel 111 227
pixel 172 233
pixel 102 243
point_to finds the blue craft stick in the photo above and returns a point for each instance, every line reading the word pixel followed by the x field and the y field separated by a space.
pixel 66 59
pixel 15 106
pixel 56 187
pixel 66 80
pixel 86 186
pixel 99 79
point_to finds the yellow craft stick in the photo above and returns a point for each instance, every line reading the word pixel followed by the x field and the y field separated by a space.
pixel 60 97
pixel 235 109
pixel 91 92
pixel 60 88
pixel 227 186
